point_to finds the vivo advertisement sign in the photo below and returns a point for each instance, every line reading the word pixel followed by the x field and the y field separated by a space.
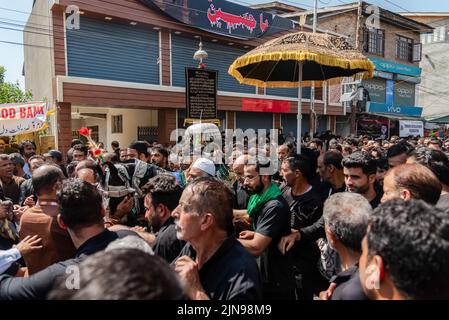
pixel 394 110
pixel 393 67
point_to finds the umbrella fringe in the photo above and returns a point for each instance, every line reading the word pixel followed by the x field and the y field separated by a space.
pixel 322 59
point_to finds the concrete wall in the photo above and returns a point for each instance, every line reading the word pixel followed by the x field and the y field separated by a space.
pixel 38 61
pixel 132 118
pixel 435 76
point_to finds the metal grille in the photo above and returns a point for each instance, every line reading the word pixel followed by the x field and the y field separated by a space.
pixel 148 133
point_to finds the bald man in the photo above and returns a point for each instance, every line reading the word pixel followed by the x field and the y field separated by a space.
pixel 87 174
pixel 241 196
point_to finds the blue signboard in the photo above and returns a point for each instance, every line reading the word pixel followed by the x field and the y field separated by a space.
pixel 394 67
pixel 382 74
pixel 389 92
pixel 394 110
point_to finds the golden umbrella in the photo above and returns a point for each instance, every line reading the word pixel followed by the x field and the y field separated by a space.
pixel 300 59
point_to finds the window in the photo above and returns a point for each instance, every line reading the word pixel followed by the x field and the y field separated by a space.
pixel 423 38
pixel 436 35
pixel 117 124
pixel 375 41
pixel 417 52
pixel 442 34
pixel 404 48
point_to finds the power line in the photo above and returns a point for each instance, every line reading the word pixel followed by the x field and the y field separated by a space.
pixel 261 41
pixel 394 4
pixel 179 23
pixel 46 26
pixel 24 12
pixel 286 1
pixel 124 42
pixel 23 44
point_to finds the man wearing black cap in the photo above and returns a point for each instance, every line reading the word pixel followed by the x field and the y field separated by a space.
pixel 55 156
pixel 138 150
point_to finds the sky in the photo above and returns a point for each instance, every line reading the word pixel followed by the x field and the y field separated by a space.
pixel 11 55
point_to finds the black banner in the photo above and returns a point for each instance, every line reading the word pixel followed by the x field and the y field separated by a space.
pixel 201 94
pixel 223 17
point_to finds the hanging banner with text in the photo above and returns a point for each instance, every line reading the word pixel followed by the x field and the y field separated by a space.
pixel 23 118
pixel 409 128
pixel 201 94
pixel 223 17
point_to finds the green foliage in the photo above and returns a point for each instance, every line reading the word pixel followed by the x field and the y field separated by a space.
pixel 11 92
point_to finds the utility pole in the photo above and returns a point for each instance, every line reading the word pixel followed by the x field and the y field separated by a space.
pixel 312 89
pixel 358 29
pixel 315 15
pixel 358 47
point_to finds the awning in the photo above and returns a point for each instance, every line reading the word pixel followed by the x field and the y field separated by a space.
pixel 441 120
pixel 393 117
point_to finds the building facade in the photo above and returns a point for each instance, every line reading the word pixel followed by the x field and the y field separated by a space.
pixel 435 71
pixel 393 43
pixel 122 72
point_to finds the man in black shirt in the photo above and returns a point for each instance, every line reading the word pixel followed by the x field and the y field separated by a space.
pixel 331 173
pixel 162 197
pixel 82 214
pixel 346 217
pixel 305 208
pixel 213 265
pixel 405 252
pixel 270 219
pixel 360 176
pixel 241 196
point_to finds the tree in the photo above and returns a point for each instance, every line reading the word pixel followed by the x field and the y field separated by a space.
pixel 11 92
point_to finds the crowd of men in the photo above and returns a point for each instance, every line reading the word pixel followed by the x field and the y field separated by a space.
pixel 346 219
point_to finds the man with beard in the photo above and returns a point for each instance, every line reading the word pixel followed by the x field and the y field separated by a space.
pixel 331 173
pixel 159 157
pixel 306 209
pixel 360 175
pixel 162 197
pixel 27 149
pixel 270 219
pixel 405 252
pixel 9 183
pixel 27 194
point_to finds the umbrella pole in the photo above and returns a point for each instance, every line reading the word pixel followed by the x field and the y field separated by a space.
pixel 299 115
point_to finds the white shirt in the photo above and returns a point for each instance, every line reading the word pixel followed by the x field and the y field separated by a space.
pixel 7 258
